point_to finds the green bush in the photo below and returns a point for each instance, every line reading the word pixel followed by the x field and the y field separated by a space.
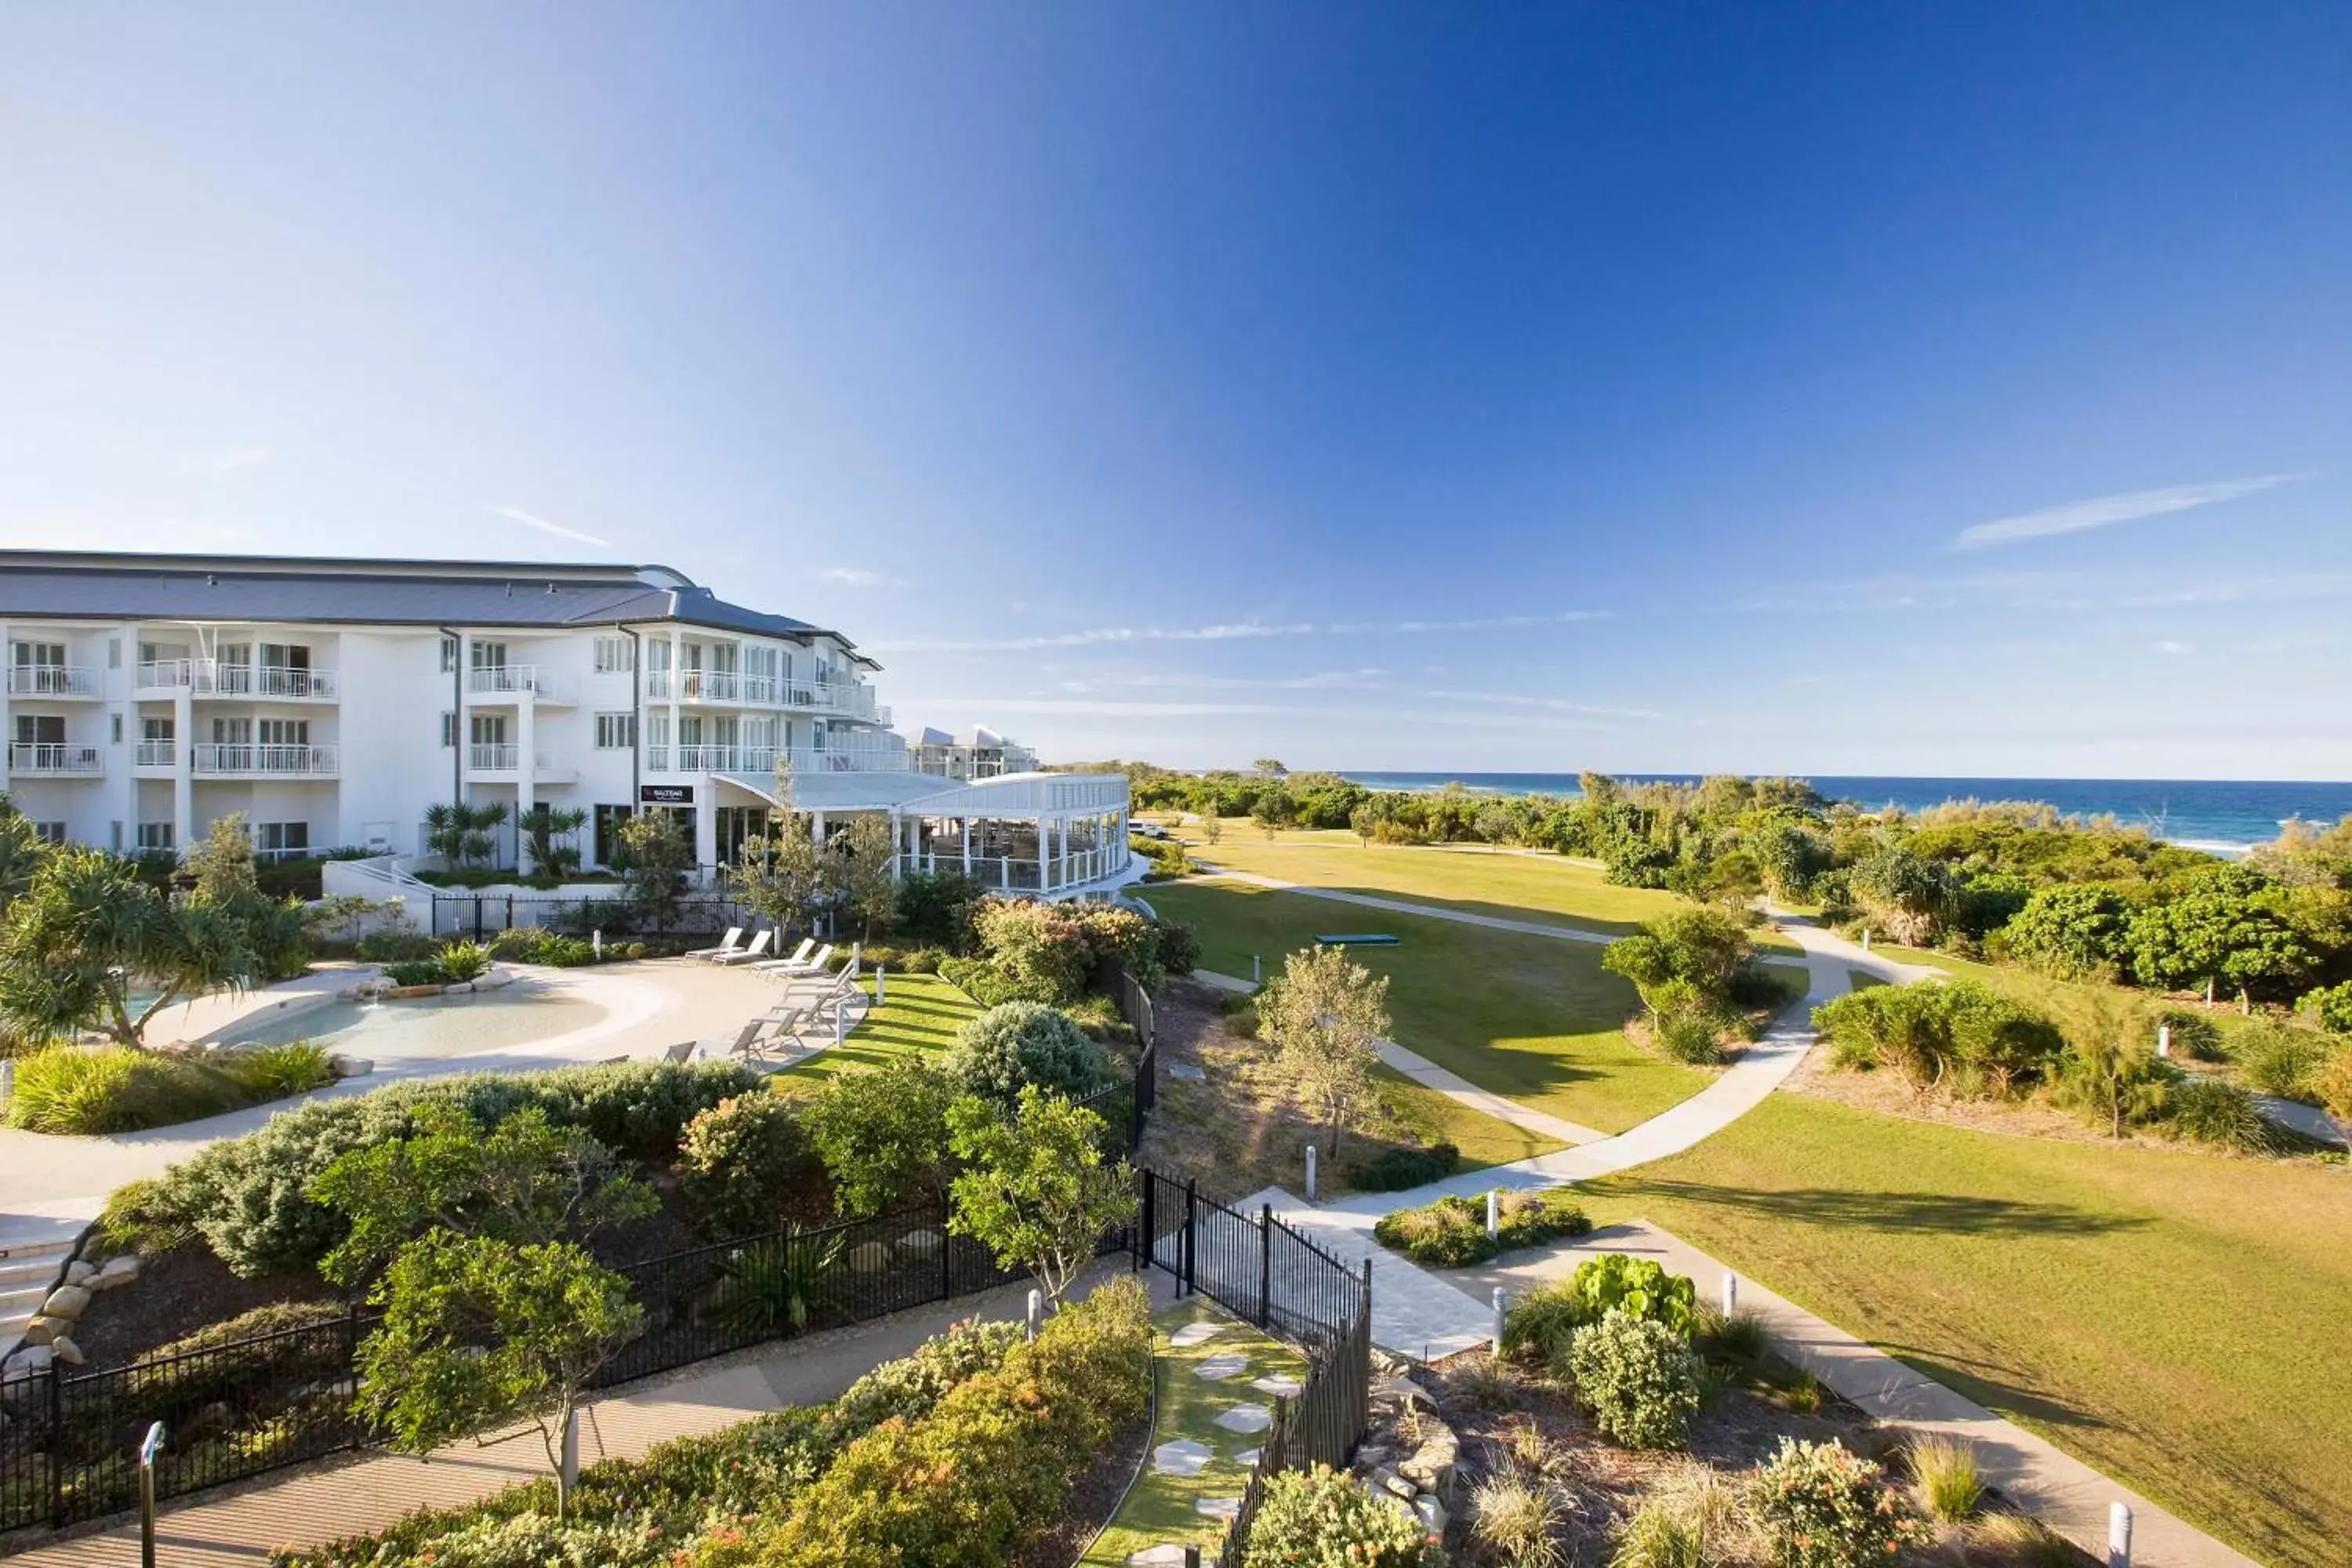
pixel 1543 1320
pixel 1038 951
pixel 1452 1231
pixel 1638 1378
pixel 1960 1036
pixel 463 961
pixel 2281 1060
pixel 1400 1170
pixel 418 971
pixel 249 1200
pixel 2194 1035
pixel 1016 1044
pixel 1180 948
pixel 273 1072
pixel 402 946
pixel 736 1160
pixel 119 1089
pixel 1821 1506
pixel 2208 1110
pixel 972 1483
pixel 1322 1516
pixel 936 907
pixel 883 1134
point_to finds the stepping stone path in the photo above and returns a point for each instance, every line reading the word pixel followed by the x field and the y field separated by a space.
pixel 1184 1457
pixel 1246 1418
pixel 1193 1334
pixel 1168 1556
pixel 1222 1368
pixel 1216 1507
pixel 1281 1383
pixel 1247 1457
pixel 1191 1071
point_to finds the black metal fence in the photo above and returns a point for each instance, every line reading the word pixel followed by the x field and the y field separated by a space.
pixel 481 916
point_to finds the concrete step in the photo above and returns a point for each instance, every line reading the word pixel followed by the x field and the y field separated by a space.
pixel 23 1302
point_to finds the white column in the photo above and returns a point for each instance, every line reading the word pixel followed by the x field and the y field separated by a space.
pixel 7 725
pixel 183 758
pixel 897 840
pixel 677 680
pixel 525 763
pixel 1044 852
pixel 705 823
pixel 967 846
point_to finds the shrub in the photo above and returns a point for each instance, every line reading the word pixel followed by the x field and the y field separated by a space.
pixel 1452 1231
pixel 2330 1008
pixel 1944 1469
pixel 464 960
pixel 418 972
pixel 1543 1319
pixel 1016 1044
pixel 736 1160
pixel 1180 948
pixel 1821 1506
pixel 1638 1378
pixel 1398 1170
pixel 1688 1036
pixel 2193 1034
pixel 2280 1060
pixel 1688 1525
pixel 2208 1110
pixel 1740 1337
pixel 1515 1515
pixel 399 946
pixel 273 1072
pixel 232 1366
pixel 882 1134
pixel 936 907
pixel 1321 1516
pixel 2019 1540
pixel 1961 1037
pixel 1039 952
pixel 118 1088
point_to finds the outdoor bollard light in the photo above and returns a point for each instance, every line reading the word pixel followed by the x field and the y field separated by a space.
pixel 1191 1557
pixel 1865 939
pixel 147 1452
pixel 7 1080
pixel 570 1465
pixel 2119 1535
pixel 1310 1167
pixel 1500 1300
pixel 596 943
pixel 841 1020
pixel 1730 1294
pixel 1257 972
pixel 2164 1039
pixel 1036 1310
pixel 1494 1212
pixel 878 994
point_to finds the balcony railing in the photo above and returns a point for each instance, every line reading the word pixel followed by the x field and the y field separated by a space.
pixel 51 757
pixel 212 677
pixel 760 761
pixel 844 697
pixel 156 755
pixel 517 679
pixel 508 760
pixel 228 760
pixel 52 681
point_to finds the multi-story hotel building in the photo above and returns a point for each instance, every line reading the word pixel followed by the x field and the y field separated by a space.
pixel 333 701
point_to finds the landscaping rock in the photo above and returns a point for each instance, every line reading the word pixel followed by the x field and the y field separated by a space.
pixel 120 1270
pixel 919 1242
pixel 65 1351
pixel 871 1256
pixel 1430 1466
pixel 1395 1485
pixel 349 1067
pixel 80 1273
pixel 1402 1391
pixel 41 1331
pixel 409 992
pixel 1191 1071
pixel 66 1301
pixel 1432 1514
pixel 25 1363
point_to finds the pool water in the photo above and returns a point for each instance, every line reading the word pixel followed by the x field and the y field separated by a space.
pixel 436 1027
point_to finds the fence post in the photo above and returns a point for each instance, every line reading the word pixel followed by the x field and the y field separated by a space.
pixel 1266 1266
pixel 1502 1315
pixel 1310 1173
pixel 147 1452
pixel 947 1259
pixel 56 1470
pixel 1147 1231
pixel 1191 1214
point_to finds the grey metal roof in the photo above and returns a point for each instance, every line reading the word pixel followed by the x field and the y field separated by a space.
pixel 91 585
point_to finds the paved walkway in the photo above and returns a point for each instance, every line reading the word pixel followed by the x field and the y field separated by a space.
pixel 2063 1492
pixel 337 1498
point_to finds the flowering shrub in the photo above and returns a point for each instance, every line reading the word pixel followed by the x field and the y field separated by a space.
pixel 1322 1519
pixel 735 1160
pixel 1638 1377
pixel 1822 1506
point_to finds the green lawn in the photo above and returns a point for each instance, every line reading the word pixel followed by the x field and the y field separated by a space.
pixel 1163 1507
pixel 921 1014
pixel 1548 890
pixel 2176 1319
pixel 1532 1017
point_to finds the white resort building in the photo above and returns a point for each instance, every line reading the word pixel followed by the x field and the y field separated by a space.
pixel 333 701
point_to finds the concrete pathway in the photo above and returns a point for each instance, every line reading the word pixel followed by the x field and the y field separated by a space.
pixel 2063 1492
pixel 2307 1120
pixel 239 1528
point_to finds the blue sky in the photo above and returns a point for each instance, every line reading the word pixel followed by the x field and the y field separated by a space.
pixel 1851 389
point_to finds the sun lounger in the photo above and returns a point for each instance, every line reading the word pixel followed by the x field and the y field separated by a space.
pixel 758 950
pixel 798 955
pixel 679 1054
pixel 727 944
pixel 799 965
pixel 747 1041
pixel 788 1021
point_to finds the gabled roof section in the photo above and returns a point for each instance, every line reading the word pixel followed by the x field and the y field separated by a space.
pixel 98 585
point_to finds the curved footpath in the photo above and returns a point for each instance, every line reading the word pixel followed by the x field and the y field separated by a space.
pixel 1418 1313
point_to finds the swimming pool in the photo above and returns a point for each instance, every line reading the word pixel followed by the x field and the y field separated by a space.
pixel 436 1027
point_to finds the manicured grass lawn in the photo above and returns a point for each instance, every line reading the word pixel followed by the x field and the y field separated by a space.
pixel 921 1014
pixel 1532 1018
pixel 1163 1507
pixel 1483 1140
pixel 1547 890
pixel 2178 1319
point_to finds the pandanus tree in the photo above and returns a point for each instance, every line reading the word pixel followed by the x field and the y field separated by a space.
pixel 549 838
pixel 463 834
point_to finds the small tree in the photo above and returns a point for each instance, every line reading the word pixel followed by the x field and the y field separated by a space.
pixel 2110 1072
pixel 654 857
pixel 1328 1015
pixel 1269 767
pixel 2213 938
pixel 222 868
pixel 779 877
pixel 523 1182
pixel 463 835
pixel 1035 1191
pixel 862 874
pixel 883 1134
pixel 550 839
pixel 1212 826
pixel 2069 931
pixel 478 1333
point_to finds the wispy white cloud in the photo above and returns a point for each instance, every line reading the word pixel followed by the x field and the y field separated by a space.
pixel 2174 645
pixel 1549 704
pixel 2105 511
pixel 230 461
pixel 2139 588
pixel 852 577
pixel 1173 680
pixel 1228 631
pixel 516 514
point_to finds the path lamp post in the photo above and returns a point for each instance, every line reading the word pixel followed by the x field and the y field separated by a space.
pixel 147 1452
pixel 2119 1534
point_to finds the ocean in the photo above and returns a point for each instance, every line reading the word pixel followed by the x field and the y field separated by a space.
pixel 2202 813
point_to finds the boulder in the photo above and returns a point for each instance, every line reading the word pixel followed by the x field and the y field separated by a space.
pixel 120 1270
pixel 870 1258
pixel 1395 1485
pixel 41 1330
pixel 1432 1514
pixel 26 1361
pixel 349 1067
pixel 80 1273
pixel 1430 1466
pixel 920 1243
pixel 1402 1391
pixel 65 1351
pixel 66 1301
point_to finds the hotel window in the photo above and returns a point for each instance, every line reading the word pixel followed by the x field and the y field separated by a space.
pixel 114 837
pixel 613 655
pixel 114 653
pixel 50 832
pixel 615 731
pixel 448 656
pixel 154 836
pixel 114 728
pixel 448 730
pixel 281 839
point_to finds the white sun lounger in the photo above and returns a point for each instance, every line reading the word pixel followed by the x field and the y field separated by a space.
pixel 799 965
pixel 799 955
pixel 727 944
pixel 758 950
pixel 679 1054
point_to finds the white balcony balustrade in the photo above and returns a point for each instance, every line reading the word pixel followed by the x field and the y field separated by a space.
pixel 846 698
pixel 263 761
pixel 495 683
pixel 212 677
pixel 156 755
pixel 51 759
pixel 52 681
pixel 506 762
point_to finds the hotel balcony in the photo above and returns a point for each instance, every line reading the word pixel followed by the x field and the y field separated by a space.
pixel 760 762
pixel 42 759
pixel 844 698
pixel 492 684
pixel 495 764
pixel 250 762
pixel 54 680
pixel 155 756
pixel 211 678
